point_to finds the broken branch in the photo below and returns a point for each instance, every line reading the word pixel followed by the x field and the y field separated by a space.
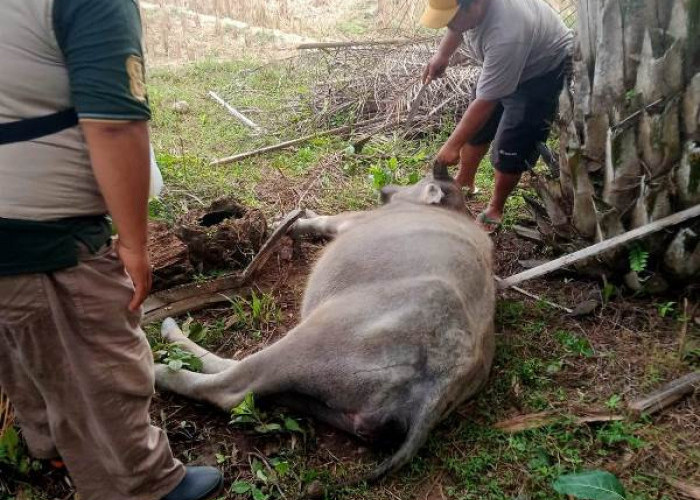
pixel 667 395
pixel 234 112
pixel 361 43
pixel 601 247
pixel 531 421
pixel 287 144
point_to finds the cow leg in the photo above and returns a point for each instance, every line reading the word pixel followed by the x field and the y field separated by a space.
pixel 264 373
pixel 328 226
pixel 211 362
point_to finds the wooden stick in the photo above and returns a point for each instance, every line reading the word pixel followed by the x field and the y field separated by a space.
pixel 233 111
pixel 293 142
pixel 196 296
pixel 687 489
pixel 540 299
pixel 361 43
pixel 601 247
pixel 667 395
pixel 416 104
pixel 536 420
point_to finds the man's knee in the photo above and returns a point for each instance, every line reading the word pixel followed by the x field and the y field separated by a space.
pixel 510 162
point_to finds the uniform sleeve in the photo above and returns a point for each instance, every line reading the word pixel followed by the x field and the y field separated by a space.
pixel 503 66
pixel 101 44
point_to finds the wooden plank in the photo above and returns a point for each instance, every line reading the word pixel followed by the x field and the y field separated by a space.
pixel 601 247
pixel 195 296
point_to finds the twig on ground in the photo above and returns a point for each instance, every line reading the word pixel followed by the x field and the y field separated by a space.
pixel 294 142
pixel 687 316
pixel 536 297
pixel 542 419
pixel 362 43
pixel 687 489
pixel 667 395
pixel 234 112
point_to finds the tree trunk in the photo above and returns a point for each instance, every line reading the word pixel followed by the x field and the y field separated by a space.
pixel 629 136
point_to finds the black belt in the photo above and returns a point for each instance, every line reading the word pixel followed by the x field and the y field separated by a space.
pixel 33 128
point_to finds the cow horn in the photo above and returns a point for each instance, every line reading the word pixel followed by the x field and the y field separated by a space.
pixel 440 172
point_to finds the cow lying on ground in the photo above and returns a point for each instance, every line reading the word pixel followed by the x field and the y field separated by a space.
pixel 396 329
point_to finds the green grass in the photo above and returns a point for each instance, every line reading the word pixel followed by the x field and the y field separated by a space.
pixel 275 96
pixel 536 354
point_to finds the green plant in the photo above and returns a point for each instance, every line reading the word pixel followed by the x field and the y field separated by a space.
pixel 591 485
pixel 509 312
pixel 613 403
pixel 247 413
pixel 620 432
pixel 194 331
pixel 665 308
pixel 574 344
pixel 391 172
pixel 260 488
pixel 14 454
pixel 257 314
pixel 638 258
pixel 176 357
pixel 609 291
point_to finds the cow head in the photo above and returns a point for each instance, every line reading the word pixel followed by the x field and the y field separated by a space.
pixel 437 189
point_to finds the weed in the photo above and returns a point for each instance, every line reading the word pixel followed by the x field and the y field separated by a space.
pixel 13 453
pixel 509 312
pixel 665 309
pixel 257 314
pixel 574 344
pixel 176 357
pixel 638 258
pixel 620 432
pixel 613 402
pixel 391 171
pixel 247 413
pixel 608 292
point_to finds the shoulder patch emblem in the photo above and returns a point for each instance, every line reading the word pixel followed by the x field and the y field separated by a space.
pixel 137 81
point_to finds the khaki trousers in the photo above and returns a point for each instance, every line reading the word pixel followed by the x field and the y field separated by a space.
pixel 79 373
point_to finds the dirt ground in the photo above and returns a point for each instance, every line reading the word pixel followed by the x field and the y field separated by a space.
pixel 633 351
pixel 546 361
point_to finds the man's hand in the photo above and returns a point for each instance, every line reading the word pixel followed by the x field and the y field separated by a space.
pixel 448 154
pixel 436 67
pixel 438 63
pixel 138 267
pixel 476 116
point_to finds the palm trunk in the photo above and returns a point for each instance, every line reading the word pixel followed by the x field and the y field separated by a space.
pixel 630 134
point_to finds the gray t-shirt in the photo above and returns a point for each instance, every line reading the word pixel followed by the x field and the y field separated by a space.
pixel 517 40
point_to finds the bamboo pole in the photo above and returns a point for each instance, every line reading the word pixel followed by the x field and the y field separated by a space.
pixel 601 247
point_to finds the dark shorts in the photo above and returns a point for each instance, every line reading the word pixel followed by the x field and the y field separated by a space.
pixel 521 120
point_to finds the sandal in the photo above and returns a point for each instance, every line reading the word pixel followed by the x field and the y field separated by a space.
pixel 471 192
pixel 487 223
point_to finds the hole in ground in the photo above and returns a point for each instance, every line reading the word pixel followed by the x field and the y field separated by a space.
pixel 217 217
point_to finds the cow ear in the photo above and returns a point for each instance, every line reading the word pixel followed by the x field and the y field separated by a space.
pixel 387 192
pixel 432 194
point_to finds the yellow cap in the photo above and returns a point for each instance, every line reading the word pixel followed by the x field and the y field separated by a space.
pixel 439 13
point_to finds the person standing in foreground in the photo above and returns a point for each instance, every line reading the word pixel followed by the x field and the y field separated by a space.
pixel 73 147
pixel 524 49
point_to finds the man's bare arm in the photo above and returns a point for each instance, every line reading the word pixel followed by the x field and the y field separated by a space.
pixel 478 113
pixel 119 153
pixel 438 63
